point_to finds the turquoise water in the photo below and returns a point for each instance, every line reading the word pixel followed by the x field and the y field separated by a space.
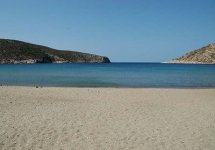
pixel 109 75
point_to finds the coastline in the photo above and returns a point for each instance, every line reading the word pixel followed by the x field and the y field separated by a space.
pixel 106 118
pixel 187 62
pixel 106 87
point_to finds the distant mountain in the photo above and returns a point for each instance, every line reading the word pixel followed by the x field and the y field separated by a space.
pixel 204 55
pixel 18 52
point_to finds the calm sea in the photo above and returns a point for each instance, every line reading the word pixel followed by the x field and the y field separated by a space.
pixel 109 75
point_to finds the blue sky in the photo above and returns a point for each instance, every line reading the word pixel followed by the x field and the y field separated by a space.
pixel 123 30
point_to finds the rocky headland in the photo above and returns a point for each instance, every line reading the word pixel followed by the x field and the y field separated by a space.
pixel 18 52
pixel 204 55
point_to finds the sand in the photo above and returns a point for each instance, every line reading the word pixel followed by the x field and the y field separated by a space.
pixel 107 118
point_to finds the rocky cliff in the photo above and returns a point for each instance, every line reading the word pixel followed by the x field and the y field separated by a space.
pixel 204 55
pixel 13 52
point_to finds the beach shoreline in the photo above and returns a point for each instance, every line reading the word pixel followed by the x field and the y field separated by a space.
pixel 106 118
pixel 105 87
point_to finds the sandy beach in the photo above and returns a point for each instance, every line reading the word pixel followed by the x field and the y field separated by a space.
pixel 106 118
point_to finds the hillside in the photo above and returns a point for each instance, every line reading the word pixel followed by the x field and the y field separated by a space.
pixel 204 55
pixel 13 52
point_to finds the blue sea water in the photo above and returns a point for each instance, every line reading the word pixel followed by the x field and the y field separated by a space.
pixel 109 75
